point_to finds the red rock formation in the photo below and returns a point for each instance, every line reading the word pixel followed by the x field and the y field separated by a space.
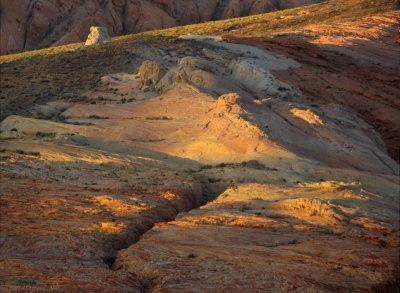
pixel 216 167
pixel 355 64
pixel 28 25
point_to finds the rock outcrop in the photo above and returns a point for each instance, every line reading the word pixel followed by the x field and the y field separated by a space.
pixel 284 185
pixel 150 73
pixel 215 167
pixel 98 35
pixel 362 58
pixel 28 25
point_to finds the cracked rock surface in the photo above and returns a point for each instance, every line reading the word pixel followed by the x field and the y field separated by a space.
pixel 198 165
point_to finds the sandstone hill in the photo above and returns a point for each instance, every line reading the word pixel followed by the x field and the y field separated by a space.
pixel 247 155
pixel 27 25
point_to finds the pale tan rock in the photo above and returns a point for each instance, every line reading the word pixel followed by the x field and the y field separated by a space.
pixel 97 36
pixel 150 73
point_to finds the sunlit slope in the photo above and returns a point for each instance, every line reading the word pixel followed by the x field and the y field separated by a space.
pixel 99 145
pixel 257 25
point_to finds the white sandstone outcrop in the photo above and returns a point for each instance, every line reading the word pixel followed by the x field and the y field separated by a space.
pixel 98 35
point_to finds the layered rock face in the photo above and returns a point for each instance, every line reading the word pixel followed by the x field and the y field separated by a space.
pixel 28 25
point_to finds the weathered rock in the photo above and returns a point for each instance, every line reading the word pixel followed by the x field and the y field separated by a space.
pixel 98 35
pixel 376 101
pixel 150 73
pixel 299 196
pixel 50 110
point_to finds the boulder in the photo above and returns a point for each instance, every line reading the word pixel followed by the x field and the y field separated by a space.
pixel 98 35
pixel 150 73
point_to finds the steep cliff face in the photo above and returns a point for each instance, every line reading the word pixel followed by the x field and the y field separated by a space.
pixel 33 24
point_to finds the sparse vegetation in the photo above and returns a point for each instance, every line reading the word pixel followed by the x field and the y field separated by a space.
pixel 255 25
pixel 22 152
pixel 214 180
pixel 158 118
pixel 25 282
pixel 252 164
pixel 89 196
pixel 45 134
pixel 244 208
pixel 98 117
pixel 256 198
pixel 58 65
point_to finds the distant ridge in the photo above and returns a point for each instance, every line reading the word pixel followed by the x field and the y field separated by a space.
pixel 35 24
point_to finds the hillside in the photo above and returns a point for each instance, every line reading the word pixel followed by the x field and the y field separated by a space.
pixel 27 25
pixel 257 154
pixel 84 68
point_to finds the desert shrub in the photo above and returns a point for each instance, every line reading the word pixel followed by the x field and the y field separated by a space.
pixel 97 117
pixel 22 152
pixel 40 134
pixel 158 118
